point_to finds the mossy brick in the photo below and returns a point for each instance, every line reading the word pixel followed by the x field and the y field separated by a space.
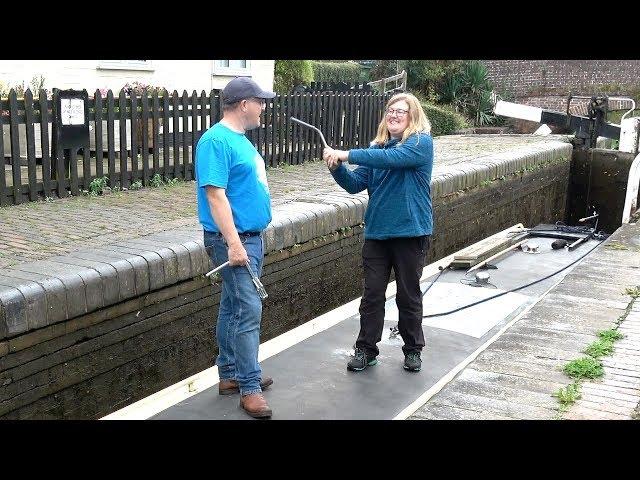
pixel 326 219
pixel 287 231
pixel 300 222
pixel 341 210
pixel 124 270
pixel 13 316
pixel 35 298
pixel 279 226
pixel 55 294
pixel 75 292
pixel 90 287
pixel 198 267
pixel 108 275
pixel 306 223
pixel 269 239
pixel 154 263
pixel 139 264
pixel 175 254
pixel 352 210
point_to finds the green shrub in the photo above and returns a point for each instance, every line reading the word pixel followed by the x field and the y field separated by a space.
pixel 568 395
pixel 610 335
pixel 290 73
pixel 586 367
pixel 599 348
pixel 4 89
pixel 98 185
pixel 429 76
pixel 37 83
pixel 365 70
pixel 379 69
pixel 156 181
pixel 138 89
pixel 336 72
pixel 615 116
pixel 444 120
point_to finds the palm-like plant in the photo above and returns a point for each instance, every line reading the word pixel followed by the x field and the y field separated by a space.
pixel 479 87
pixel 452 92
pixel 475 77
pixel 484 109
pixel 469 91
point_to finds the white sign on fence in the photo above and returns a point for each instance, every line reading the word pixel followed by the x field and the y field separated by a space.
pixel 72 111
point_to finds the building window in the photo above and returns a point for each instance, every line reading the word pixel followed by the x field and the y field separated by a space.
pixel 231 67
pixel 145 65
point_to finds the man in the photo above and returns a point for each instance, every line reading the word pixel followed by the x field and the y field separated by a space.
pixel 234 207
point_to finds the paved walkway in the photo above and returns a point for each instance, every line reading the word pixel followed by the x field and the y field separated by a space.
pixel 38 230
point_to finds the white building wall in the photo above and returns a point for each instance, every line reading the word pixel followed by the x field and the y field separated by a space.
pixel 94 74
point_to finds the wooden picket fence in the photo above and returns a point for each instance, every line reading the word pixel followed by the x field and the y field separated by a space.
pixel 134 138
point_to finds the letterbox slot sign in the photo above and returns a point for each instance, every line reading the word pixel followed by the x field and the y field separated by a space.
pixel 71 118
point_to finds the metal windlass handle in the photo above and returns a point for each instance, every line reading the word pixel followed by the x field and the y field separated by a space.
pixel 258 284
pixel 256 281
pixel 304 124
pixel 220 267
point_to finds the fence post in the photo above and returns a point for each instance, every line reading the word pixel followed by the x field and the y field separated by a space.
pixel 176 133
pixel 135 129
pixel 144 102
pixel 97 100
pixel 122 105
pixel 155 118
pixel 15 147
pixel 185 135
pixel 31 144
pixel 111 150
pixel 3 181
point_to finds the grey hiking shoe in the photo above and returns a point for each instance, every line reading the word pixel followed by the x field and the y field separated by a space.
pixel 412 362
pixel 360 361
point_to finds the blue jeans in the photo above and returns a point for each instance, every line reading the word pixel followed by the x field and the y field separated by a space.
pixel 238 327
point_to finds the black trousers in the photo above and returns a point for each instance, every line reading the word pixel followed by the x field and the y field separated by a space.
pixel 406 257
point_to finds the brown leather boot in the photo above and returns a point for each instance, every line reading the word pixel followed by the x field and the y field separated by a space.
pixel 255 405
pixel 228 387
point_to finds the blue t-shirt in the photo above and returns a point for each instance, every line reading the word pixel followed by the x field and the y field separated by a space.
pixel 227 159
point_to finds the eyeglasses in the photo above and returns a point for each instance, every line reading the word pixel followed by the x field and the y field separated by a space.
pixel 260 101
pixel 398 111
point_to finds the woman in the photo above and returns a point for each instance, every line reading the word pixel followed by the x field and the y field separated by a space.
pixel 396 171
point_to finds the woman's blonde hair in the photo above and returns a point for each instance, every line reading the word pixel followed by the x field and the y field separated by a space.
pixel 418 121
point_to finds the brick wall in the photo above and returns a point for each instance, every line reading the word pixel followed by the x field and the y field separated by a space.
pixel 544 78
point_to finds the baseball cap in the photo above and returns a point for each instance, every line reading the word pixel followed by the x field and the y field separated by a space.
pixel 243 87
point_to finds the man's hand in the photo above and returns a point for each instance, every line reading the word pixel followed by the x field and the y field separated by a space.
pixel 237 254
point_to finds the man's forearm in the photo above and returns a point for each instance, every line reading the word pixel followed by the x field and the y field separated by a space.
pixel 221 212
